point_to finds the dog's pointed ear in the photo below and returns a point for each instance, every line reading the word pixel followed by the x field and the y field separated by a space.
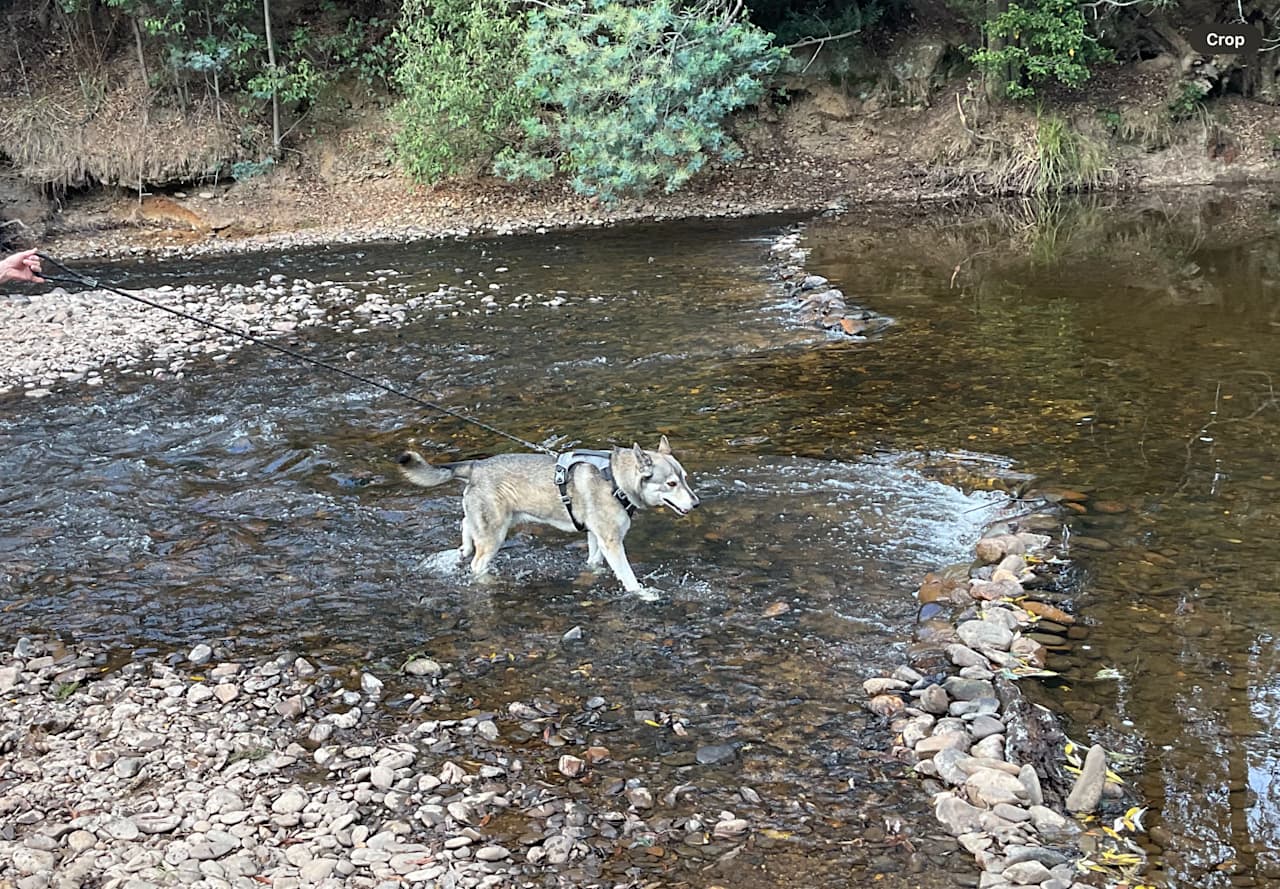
pixel 664 446
pixel 643 460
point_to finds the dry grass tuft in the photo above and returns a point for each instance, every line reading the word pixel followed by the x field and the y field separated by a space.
pixel 1009 157
pixel 98 135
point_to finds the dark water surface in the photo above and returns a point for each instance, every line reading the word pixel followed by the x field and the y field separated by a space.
pixel 1130 352
pixel 1124 351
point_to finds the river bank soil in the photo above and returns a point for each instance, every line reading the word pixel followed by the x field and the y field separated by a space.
pixel 818 147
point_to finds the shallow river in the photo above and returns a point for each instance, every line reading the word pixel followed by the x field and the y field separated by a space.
pixel 1121 351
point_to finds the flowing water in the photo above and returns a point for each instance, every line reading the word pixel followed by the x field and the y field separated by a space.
pixel 1123 351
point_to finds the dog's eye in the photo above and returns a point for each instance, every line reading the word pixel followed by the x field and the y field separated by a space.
pixel 671 484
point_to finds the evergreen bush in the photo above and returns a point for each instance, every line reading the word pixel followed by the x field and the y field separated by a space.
pixel 635 95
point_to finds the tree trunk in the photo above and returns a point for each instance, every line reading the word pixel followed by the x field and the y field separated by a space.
pixel 142 66
pixel 995 83
pixel 271 62
pixel 217 88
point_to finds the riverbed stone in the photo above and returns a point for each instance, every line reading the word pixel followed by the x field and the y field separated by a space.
pixel 962 689
pixel 292 800
pixel 31 861
pixel 1086 793
pixel 941 741
pixel 201 654
pixel 1052 826
pixel 979 634
pixel 317 870
pixel 80 840
pixel 990 787
pixel 1031 781
pixel 957 815
pixel 984 725
pixel 933 699
pixel 1010 812
pixel 990 747
pixel 423 666
pixel 946 764
pixel 1026 873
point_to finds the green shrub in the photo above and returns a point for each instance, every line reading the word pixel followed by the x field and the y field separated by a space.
pixel 1041 42
pixel 1188 100
pixel 460 60
pixel 635 95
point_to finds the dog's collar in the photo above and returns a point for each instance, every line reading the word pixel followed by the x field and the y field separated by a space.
pixel 600 460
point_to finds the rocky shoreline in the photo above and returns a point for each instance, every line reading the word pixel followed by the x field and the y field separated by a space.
pixel 198 771
pixel 57 338
pixel 997 766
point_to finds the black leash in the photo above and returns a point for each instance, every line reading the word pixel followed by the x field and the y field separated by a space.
pixel 74 277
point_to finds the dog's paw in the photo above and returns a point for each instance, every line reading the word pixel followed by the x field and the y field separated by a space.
pixel 648 594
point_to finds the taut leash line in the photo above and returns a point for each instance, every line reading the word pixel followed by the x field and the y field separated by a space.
pixel 74 277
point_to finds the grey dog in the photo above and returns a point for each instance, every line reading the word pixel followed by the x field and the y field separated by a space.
pixel 592 491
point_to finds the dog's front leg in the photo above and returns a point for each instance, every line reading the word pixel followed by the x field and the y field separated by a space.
pixel 594 557
pixel 616 556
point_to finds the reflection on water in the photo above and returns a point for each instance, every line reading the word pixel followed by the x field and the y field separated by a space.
pixel 1131 353
pixel 1127 351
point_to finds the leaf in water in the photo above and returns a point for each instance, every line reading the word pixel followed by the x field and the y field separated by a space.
pixel 776 609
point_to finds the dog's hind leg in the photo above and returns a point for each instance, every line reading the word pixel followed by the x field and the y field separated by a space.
pixel 468 547
pixel 486 539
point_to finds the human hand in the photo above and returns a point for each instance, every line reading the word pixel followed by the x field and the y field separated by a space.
pixel 24 266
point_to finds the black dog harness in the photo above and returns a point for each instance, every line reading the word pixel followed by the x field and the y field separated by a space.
pixel 600 460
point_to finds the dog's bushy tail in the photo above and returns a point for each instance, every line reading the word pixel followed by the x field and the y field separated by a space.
pixel 428 475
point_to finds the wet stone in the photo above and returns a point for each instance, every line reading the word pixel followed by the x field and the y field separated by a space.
pixel 713 754
pixel 200 655
pixel 964 656
pixel 1031 781
pixel 962 689
pixel 983 726
pixel 423 667
pixel 933 699
pixel 1087 790
pixel 1027 873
